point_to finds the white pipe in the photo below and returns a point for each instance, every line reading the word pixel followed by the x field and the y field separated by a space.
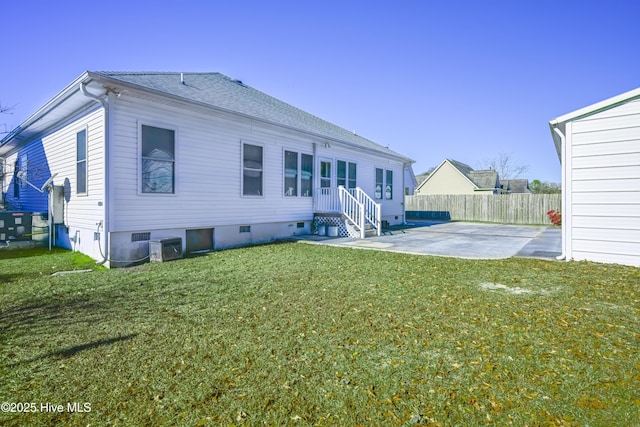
pixel 404 196
pixel 563 255
pixel 105 104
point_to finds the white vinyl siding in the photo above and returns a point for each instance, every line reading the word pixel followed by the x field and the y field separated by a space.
pixel 55 153
pixel 604 186
pixel 210 164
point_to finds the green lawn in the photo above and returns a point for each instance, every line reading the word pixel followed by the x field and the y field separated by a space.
pixel 299 334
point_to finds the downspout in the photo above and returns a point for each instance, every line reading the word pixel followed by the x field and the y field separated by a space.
pixel 104 225
pixel 564 193
pixel 2 168
pixel 404 196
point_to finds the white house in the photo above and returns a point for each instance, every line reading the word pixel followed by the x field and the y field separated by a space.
pixel 453 177
pixel 199 156
pixel 599 148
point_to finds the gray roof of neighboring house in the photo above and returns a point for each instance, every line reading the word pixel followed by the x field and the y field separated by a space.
pixel 220 91
pixel 515 185
pixel 482 179
pixel 462 167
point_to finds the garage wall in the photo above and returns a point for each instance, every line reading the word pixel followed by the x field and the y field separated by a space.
pixel 604 186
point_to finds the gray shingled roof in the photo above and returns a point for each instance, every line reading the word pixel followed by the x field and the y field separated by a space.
pixel 516 185
pixel 462 167
pixel 220 91
pixel 483 179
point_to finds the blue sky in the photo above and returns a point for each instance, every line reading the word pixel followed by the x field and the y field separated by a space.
pixel 432 80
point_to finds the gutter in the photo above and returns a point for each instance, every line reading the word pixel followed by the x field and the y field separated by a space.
pixel 61 97
pixel 562 137
pixel 103 100
pixel 121 83
pixel 405 165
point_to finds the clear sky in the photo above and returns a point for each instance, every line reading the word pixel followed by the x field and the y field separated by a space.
pixel 464 80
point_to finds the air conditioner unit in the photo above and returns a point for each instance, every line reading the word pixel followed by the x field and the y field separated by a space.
pixel 162 250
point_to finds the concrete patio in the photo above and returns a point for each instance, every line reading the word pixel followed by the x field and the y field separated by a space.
pixel 458 239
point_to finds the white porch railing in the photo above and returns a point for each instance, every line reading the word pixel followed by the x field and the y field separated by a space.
pixel 354 204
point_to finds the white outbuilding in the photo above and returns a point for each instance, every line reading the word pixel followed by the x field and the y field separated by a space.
pixel 599 148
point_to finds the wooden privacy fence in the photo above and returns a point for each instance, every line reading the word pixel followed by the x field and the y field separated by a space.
pixel 505 209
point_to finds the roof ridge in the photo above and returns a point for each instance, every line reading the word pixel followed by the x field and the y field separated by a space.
pixel 219 90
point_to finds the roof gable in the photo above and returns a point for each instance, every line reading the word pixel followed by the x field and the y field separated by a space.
pixel 480 180
pixel 558 124
pixel 460 167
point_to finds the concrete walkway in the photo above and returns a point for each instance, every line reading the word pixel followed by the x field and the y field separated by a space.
pixel 459 239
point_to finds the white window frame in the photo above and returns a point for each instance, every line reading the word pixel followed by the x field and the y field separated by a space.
pixel 242 169
pixel 347 177
pixel 388 196
pixel 85 161
pixel 383 193
pixel 375 184
pixel 24 167
pixel 298 189
pixel 331 177
pixel 175 158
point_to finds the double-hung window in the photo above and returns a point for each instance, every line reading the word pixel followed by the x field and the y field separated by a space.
pixel 379 183
pixel 298 174
pixel 252 161
pixel 388 189
pixel 384 184
pixel 346 174
pixel 158 160
pixel 81 162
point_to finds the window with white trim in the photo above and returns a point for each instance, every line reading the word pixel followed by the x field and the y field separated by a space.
pixel 384 184
pixel 158 160
pixel 81 162
pixel 298 174
pixel 346 174
pixel 252 172
pixel 388 189
pixel 379 183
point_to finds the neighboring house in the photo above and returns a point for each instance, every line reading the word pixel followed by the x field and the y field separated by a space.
pixel 453 177
pixel 200 156
pixel 599 148
pixel 410 181
pixel 515 186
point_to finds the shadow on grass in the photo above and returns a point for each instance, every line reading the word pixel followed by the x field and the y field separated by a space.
pixel 8 278
pixel 72 351
pixel 26 253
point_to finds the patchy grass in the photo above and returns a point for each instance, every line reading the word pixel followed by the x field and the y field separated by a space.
pixel 295 334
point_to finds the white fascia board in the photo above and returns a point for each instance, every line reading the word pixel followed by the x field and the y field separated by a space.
pixel 597 107
pixel 430 175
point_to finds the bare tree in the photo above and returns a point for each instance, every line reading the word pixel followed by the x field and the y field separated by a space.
pixel 4 110
pixel 506 166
